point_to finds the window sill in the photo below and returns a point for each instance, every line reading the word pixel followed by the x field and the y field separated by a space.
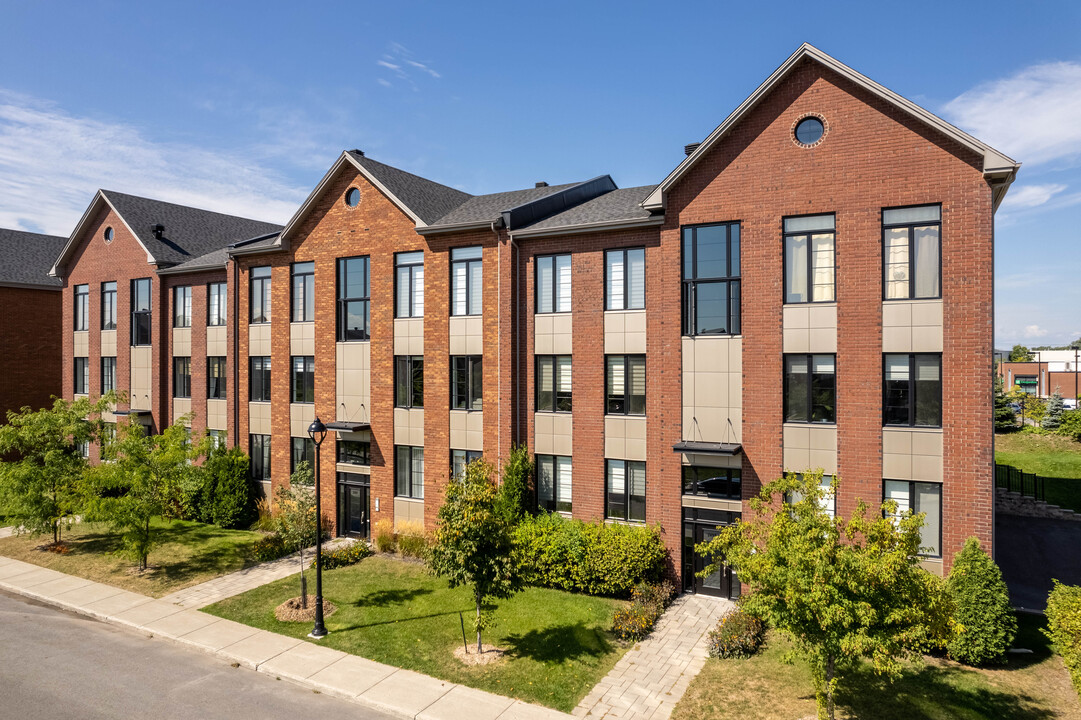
pixel 712 335
pixel 412 317
pixel 468 316
pixel 608 416
pixel 408 407
pixel 804 424
pixel 620 521
pixel 352 342
pixel 181 327
pixel 560 413
pixel 301 322
pixel 561 312
pixel 933 429
pixel 817 303
pixel 914 300
pixel 406 498
pixel 465 410
pixel 261 322
pixel 216 398
pixel 258 402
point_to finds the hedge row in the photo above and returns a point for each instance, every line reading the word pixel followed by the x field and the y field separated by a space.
pixel 1064 627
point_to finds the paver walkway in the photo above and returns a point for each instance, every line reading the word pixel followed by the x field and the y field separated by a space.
pixel 6 532
pixel 650 679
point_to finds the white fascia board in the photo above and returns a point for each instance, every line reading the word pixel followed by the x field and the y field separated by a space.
pixel 588 227
pixel 99 197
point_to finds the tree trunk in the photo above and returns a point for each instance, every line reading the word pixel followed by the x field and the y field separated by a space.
pixel 478 597
pixel 830 666
pixel 303 583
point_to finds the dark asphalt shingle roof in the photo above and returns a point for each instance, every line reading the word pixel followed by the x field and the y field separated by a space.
pixel 622 204
pixel 27 257
pixel 427 198
pixel 189 232
pixel 487 208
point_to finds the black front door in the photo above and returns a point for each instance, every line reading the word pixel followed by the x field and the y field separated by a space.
pixel 353 507
pixel 701 525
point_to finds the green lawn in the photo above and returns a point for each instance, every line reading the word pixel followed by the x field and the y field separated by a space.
pixel 395 612
pixel 188 553
pixel 1055 457
pixel 1029 687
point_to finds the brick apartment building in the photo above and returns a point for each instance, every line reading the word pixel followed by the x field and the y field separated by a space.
pixel 811 287
pixel 1049 371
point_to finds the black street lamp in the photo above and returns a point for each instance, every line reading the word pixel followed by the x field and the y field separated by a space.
pixel 317 431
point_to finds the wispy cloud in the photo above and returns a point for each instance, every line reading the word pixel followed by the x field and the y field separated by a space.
pixel 51 162
pixel 400 62
pixel 1030 196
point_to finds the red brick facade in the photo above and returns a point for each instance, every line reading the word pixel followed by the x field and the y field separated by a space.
pixel 31 370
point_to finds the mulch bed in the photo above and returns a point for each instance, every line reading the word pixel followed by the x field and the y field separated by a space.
pixel 292 610
pixel 489 654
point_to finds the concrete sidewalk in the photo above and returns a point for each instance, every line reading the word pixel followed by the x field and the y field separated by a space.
pixel 399 692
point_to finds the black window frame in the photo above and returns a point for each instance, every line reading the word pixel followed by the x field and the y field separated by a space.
pixel 105 387
pixel 626 279
pixel 344 333
pixel 261 458
pixel 466 388
pixel 220 292
pixel 404 477
pixel 301 449
pixel 216 383
pixel 787 235
pixel 307 287
pixel 302 382
pixel 626 398
pixel 913 396
pixel 561 401
pixel 81 375
pixel 808 414
pixel 182 376
pixel 731 282
pixel 470 291
pixel 912 506
pixel 81 308
pixel 556 504
pixel 732 483
pixel 142 325
pixel 182 321
pixel 553 259
pixel 354 452
pixel 911 226
pixel 259 388
pixel 259 284
pixel 108 305
pixel 468 456
pixel 409 381
pixel 627 502
pixel 410 268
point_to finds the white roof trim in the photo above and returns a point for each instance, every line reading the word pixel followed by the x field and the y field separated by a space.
pixel 589 227
pixel 84 221
pixel 994 162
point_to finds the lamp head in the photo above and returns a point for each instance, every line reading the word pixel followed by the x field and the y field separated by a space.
pixel 317 431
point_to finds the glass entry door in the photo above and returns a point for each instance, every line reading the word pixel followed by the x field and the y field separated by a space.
pixel 353 497
pixel 701 525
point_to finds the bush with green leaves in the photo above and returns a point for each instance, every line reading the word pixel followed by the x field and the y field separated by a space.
pixel 345 555
pixel 515 500
pixel 1071 424
pixel 984 623
pixel 1064 627
pixel 412 540
pixel 738 635
pixel 593 558
pixel 229 495
pixel 383 536
pixel 648 603
pixel 269 547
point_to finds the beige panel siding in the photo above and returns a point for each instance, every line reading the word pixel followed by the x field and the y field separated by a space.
pixel 302 338
pixel 912 326
pixel 301 416
pixel 466 336
pixel 467 430
pixel 81 344
pixel 408 510
pixel 624 332
pixel 217 341
pixel 108 343
pixel 259 418
pixel 712 389
pixel 712 503
pixel 810 328
pixel 182 342
pixel 353 383
pixel 141 386
pixel 409 336
pixel 259 340
pixel 552 334
pixel 625 438
pixel 912 454
pixel 181 406
pixel 810 447
pixel 553 433
pixel 409 426
pixel 216 415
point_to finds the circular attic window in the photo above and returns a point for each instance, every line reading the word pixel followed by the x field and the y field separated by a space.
pixel 810 130
pixel 108 234
pixel 352 197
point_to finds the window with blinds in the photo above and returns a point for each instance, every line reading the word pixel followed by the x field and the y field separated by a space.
pixel 553 284
pixel 625 279
pixel 303 292
pixel 217 304
pixel 809 259
pixel 918 497
pixel 913 389
pixel 625 384
pixel 626 496
pixel 466 281
pixel 554 480
pixel 409 471
pixel 409 285
pixel 260 295
pixel 553 381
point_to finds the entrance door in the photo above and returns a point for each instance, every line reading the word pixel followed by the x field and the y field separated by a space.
pixel 353 510
pixel 700 526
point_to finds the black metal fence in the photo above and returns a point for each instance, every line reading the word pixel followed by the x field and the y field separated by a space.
pixel 1015 480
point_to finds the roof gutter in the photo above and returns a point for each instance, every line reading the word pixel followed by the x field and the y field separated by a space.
pixel 652 221
pixel 182 269
pixel 460 227
pixel 31 286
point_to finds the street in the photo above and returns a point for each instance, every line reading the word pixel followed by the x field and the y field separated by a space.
pixel 55 664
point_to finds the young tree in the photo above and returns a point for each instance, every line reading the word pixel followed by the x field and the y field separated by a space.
pixel 473 543
pixel 515 500
pixel 1020 353
pixel 41 481
pixel 983 617
pixel 1005 418
pixel 840 589
pixel 1052 416
pixel 296 517
pixel 147 477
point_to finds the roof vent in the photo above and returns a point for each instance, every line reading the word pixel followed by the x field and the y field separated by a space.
pixel 541 184
pixel 688 149
pixel 355 151
pixel 157 229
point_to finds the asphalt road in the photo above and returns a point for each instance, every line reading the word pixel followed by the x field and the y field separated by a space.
pixel 55 664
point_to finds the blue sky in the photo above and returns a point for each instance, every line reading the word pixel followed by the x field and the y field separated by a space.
pixel 241 107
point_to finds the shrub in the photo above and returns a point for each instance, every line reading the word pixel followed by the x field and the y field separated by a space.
pixel 1052 418
pixel 515 500
pixel 230 502
pixel 633 623
pixel 737 635
pixel 593 558
pixel 658 596
pixel 984 623
pixel 269 547
pixel 383 536
pixel 1071 424
pixel 265 519
pixel 412 540
pixel 344 555
pixel 1064 627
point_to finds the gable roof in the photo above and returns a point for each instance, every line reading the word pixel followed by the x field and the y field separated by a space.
pixel 27 258
pixel 998 168
pixel 618 208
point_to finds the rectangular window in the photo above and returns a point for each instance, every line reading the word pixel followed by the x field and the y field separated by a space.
pixel 108 374
pixel 182 377
pixel 714 482
pixel 810 388
pixel 919 497
pixel 217 304
pixel 809 259
pixel 354 299
pixel 355 452
pixel 466 281
pixel 409 471
pixel 827 502
pixel 911 252
pixel 259 376
pixel 108 305
pixel 554 284
pixel 140 312
pixel 554 483
pixel 182 306
pixel 466 382
pixel 301 450
pixel 260 457
pixel 215 378
pixel 303 292
pixel 82 375
pixel 625 279
pixel 260 295
pixel 460 458
pixel 302 379
pixel 82 307
pixel 409 282
pixel 217 439
pixel 711 285
pixel 408 381
pixel 913 390
pixel 625 381
pixel 83 448
pixel 626 496
pixel 553 382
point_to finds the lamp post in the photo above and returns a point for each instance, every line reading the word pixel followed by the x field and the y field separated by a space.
pixel 317 431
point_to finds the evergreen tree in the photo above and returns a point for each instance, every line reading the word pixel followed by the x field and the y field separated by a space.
pixel 983 618
pixel 1052 416
pixel 1005 419
pixel 515 499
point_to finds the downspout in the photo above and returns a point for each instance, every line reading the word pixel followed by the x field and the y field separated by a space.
pixel 517 256
pixel 235 320
pixel 499 338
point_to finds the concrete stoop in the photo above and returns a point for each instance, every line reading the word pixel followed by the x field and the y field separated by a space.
pixel 1012 503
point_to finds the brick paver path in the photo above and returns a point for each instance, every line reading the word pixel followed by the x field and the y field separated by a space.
pixel 650 679
pixel 210 592
pixel 6 532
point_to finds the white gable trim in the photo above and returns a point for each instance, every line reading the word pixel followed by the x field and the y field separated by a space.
pixel 99 198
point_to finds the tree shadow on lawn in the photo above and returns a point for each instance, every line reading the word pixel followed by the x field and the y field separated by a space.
pixel 383 598
pixel 559 643
pixel 392 621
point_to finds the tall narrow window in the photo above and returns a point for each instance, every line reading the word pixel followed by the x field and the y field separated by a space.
pixel 625 279
pixel 82 375
pixel 911 252
pixel 409 281
pixel 625 383
pixel 460 458
pixel 409 381
pixel 260 295
pixel 810 388
pixel 553 383
pixel 913 390
pixel 82 308
pixel 301 450
pixel 302 380
pixel 108 305
pixel 466 281
pixel 466 382
pixel 919 497
pixel 303 292
pixel 554 284
pixel 626 496
pixel 217 304
pixel 554 483
pixel 409 472
pixel 140 311
pixel 182 377
pixel 182 306
pixel 809 259
pixel 354 299
pixel 711 284
pixel 259 388
pixel 215 378
pixel 260 457
pixel 108 374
